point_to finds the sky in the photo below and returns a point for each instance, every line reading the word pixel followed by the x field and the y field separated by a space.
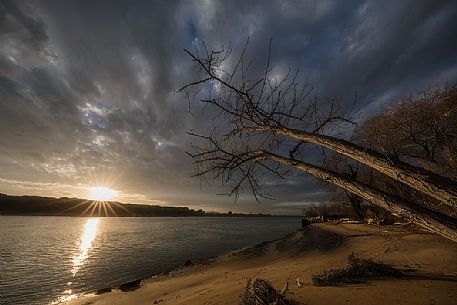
pixel 88 89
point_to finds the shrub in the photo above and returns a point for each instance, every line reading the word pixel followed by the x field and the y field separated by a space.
pixel 358 270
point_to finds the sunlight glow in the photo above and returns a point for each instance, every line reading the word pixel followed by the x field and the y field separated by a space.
pixel 85 243
pixel 102 193
pixel 90 231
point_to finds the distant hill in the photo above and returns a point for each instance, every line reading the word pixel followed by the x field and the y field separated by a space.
pixel 49 206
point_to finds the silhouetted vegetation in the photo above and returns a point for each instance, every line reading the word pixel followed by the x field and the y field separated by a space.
pixel 48 206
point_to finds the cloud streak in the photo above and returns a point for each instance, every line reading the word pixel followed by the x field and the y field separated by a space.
pixel 87 88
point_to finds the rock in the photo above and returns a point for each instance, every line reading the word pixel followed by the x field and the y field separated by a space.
pixel 103 290
pixel 187 263
pixel 305 223
pixel 129 286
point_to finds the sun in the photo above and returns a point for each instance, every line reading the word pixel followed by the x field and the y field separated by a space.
pixel 101 193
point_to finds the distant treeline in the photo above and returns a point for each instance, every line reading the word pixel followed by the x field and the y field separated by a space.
pixel 49 206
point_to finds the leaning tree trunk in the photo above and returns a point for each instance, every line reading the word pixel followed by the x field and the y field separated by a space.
pixel 441 188
pixel 356 203
pixel 433 221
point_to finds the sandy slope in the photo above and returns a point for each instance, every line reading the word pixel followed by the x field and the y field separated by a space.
pixel 319 248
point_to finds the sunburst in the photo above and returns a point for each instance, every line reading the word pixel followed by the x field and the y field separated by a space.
pixel 102 193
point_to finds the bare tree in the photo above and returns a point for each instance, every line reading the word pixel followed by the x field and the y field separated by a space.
pixel 419 129
pixel 265 123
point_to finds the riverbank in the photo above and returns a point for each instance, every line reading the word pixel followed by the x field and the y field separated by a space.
pixel 429 263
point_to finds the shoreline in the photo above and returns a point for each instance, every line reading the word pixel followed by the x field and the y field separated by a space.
pixel 294 258
pixel 185 265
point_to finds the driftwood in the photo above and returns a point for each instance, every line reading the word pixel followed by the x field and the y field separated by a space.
pixel 260 292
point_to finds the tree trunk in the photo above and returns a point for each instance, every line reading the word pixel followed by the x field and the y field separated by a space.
pixel 433 221
pixel 443 189
pixel 356 203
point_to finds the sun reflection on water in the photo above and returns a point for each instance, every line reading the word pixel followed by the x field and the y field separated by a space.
pixel 85 243
pixel 90 231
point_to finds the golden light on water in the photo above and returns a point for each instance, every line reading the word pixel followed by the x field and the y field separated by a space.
pixel 85 243
pixel 101 193
pixel 90 231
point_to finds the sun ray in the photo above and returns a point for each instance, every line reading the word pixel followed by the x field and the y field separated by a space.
pixel 75 206
pixel 94 207
pixel 111 209
pixel 104 204
pixel 123 208
pixel 99 207
pixel 88 207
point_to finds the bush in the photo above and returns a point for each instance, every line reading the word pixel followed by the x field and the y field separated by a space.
pixel 358 270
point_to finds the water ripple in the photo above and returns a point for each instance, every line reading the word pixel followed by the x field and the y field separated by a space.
pixel 47 260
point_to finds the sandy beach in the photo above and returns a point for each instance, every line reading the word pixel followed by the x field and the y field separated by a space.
pixel 428 262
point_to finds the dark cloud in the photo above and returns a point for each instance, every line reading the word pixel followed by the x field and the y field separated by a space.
pixel 87 88
pixel 23 38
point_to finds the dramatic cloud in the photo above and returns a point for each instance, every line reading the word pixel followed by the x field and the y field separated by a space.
pixel 88 88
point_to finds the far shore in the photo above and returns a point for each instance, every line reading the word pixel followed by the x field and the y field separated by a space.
pixel 429 263
pixel 79 207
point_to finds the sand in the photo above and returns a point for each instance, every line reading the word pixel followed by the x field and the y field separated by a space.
pixel 303 254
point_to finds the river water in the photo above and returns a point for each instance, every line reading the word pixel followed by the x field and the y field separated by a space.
pixel 47 260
